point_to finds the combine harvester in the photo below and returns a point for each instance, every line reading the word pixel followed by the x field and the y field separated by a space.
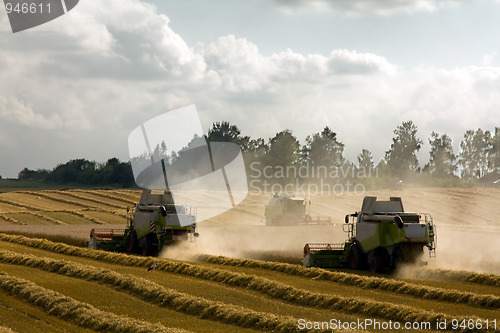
pixel 154 222
pixel 285 209
pixel 379 237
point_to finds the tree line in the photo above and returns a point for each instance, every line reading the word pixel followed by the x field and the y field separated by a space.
pixel 321 154
pixel 478 160
pixel 84 172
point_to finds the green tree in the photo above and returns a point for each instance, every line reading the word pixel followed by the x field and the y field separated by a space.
pixel 323 149
pixel 365 160
pixel 283 150
pixel 40 174
pixel 225 132
pixel 494 153
pixel 466 155
pixel 402 158
pixel 442 159
pixel 473 157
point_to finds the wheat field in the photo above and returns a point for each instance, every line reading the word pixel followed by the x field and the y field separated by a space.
pixel 241 276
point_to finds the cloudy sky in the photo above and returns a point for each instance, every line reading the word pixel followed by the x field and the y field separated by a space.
pixel 77 86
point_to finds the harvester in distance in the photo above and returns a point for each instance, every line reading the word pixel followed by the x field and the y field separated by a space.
pixel 153 223
pixel 379 237
pixel 285 209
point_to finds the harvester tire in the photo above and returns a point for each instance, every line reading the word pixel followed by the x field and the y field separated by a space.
pixel 356 257
pixel 150 245
pixel 132 242
pixel 145 249
pixel 376 264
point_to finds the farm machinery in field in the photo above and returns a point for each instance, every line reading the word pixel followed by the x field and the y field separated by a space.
pixel 285 209
pixel 380 236
pixel 153 223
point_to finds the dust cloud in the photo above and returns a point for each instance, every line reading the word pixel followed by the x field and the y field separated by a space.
pixel 276 243
pixel 467 222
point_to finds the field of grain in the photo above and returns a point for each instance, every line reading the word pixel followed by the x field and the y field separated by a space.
pixel 218 284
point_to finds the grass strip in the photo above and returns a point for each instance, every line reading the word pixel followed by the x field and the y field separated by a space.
pixel 80 313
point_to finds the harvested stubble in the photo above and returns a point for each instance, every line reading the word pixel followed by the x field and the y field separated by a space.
pixel 265 286
pixel 16 204
pixel 108 196
pixel 371 282
pixel 71 202
pixel 11 219
pixel 460 276
pixel 156 294
pixel 15 221
pixel 82 314
pixel 58 238
pixel 79 197
pixel 80 214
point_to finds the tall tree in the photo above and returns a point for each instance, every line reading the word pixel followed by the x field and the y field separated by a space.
pixel 494 153
pixel 442 159
pixel 225 132
pixel 402 158
pixel 256 151
pixel 474 153
pixel 323 149
pixel 365 160
pixel 283 149
pixel 466 156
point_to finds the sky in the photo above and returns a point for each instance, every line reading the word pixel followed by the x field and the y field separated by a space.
pixel 77 86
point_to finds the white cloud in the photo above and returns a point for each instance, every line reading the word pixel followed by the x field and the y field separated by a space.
pixel 22 113
pixel 119 63
pixel 488 58
pixel 365 7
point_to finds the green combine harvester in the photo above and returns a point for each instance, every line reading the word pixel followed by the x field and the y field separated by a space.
pixel 379 237
pixel 152 224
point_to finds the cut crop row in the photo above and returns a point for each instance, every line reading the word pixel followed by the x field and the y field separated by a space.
pixel 79 197
pixel 16 204
pixel 366 282
pixel 82 314
pixel 264 286
pixel 101 193
pixel 159 295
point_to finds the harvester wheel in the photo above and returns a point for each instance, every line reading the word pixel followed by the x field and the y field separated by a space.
pixel 148 248
pixel 376 264
pixel 132 242
pixel 145 249
pixel 356 257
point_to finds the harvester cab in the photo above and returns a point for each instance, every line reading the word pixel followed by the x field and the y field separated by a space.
pixel 153 223
pixel 381 235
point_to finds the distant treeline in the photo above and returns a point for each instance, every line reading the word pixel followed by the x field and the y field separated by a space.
pixel 84 172
pixel 283 159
